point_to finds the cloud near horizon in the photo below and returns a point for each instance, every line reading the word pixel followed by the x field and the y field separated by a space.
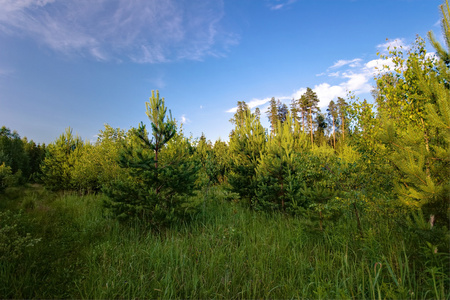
pixel 356 78
pixel 143 31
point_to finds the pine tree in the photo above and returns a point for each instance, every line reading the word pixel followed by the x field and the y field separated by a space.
pixel 272 114
pixel 283 111
pixel 238 117
pixel 443 54
pixel 420 143
pixel 13 154
pixel 320 120
pixel 310 102
pixel 276 174
pixel 219 162
pixel 247 143
pixel 161 172
pixel 303 104
pixel 258 113
pixel 295 109
pixel 342 113
pixel 333 114
pixel 60 158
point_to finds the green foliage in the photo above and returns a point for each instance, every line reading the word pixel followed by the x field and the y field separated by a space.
pixel 419 139
pixel 61 156
pixel 13 154
pixel 6 177
pixel 247 143
pixel 160 173
pixel 310 102
pixel 218 163
pixel 97 164
pixel 277 184
pixel 13 239
pixel 36 154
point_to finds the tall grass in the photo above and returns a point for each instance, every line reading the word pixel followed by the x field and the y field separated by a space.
pixel 227 251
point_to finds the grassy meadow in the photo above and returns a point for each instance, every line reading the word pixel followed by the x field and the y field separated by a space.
pixel 63 245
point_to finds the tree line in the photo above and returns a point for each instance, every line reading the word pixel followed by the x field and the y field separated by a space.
pixel 387 158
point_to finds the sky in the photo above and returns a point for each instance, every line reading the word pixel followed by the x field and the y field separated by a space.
pixel 86 63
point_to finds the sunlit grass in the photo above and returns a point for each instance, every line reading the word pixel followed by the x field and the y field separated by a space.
pixel 227 251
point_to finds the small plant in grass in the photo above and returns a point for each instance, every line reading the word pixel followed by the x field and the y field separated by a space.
pixel 161 172
pixel 13 241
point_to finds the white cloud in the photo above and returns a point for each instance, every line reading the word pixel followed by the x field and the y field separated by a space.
pixel 279 4
pixel 391 44
pixel 352 63
pixel 379 65
pixel 184 119
pixel 326 92
pixel 144 31
pixel 356 78
pixel 256 103
pixel 335 74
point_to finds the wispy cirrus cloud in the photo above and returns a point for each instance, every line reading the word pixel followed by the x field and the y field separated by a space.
pixel 279 4
pixel 143 31
pixel 352 63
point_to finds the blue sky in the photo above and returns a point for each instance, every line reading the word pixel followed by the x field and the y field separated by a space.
pixel 85 63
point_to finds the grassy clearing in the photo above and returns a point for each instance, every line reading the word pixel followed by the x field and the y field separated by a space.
pixel 227 251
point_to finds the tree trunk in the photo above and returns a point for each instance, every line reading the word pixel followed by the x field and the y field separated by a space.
pixel 310 121
pixel 334 137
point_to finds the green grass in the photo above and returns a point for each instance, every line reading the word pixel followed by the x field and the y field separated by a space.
pixel 227 251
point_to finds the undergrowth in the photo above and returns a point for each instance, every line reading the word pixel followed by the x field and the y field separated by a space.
pixel 66 247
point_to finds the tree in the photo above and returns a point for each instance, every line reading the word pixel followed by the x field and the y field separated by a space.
pixel 6 178
pixel 97 164
pixel 12 153
pixel 161 172
pixel 283 111
pixel 276 173
pixel 258 113
pixel 303 104
pixel 310 102
pixel 415 120
pixel 333 114
pixel 445 23
pixel 241 109
pixel 342 106
pixel 272 114
pixel 36 155
pixel 320 120
pixel 218 162
pixel 247 143
pixel 60 158
pixel 295 109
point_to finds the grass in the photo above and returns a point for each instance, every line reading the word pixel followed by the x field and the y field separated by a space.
pixel 227 251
